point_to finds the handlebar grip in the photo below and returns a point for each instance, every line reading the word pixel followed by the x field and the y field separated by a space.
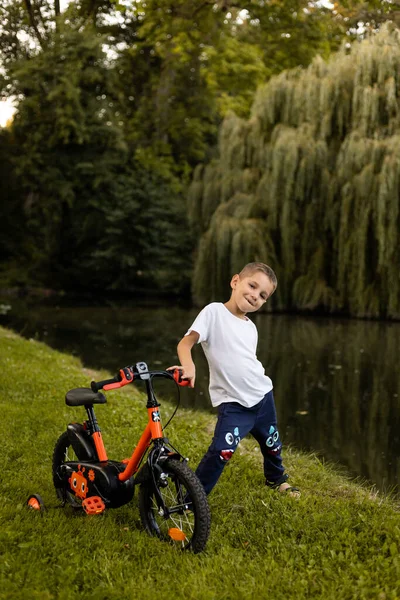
pixel 178 378
pixel 98 385
pixel 125 376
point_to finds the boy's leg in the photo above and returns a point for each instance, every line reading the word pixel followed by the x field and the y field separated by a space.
pixel 234 423
pixel 265 431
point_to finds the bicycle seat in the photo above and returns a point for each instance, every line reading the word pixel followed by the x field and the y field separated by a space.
pixel 82 396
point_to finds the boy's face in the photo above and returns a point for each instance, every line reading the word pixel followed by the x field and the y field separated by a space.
pixel 251 292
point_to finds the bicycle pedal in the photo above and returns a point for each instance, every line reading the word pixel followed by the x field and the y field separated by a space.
pixel 93 505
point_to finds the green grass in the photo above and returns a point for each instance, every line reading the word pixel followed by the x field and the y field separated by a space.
pixel 339 540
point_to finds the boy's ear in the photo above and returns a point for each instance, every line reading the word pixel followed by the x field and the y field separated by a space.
pixel 234 280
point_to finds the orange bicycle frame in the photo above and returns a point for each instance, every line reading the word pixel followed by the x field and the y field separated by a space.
pixel 152 431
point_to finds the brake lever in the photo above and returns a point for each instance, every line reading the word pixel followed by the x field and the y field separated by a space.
pixel 177 376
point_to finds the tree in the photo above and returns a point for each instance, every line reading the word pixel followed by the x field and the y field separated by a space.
pixel 310 183
pixel 99 212
pixel 11 210
pixel 115 98
pixel 145 243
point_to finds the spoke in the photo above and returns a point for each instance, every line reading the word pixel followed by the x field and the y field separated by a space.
pixel 67 456
pixel 173 496
pixel 180 524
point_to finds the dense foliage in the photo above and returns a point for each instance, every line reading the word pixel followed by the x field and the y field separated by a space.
pixel 310 183
pixel 117 102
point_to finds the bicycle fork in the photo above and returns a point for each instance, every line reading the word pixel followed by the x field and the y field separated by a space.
pixel 160 479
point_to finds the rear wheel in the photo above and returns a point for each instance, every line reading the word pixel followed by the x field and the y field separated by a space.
pixel 187 520
pixel 63 452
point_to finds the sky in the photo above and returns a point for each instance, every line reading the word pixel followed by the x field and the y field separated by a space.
pixel 6 111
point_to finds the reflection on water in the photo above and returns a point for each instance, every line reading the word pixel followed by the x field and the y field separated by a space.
pixel 336 381
pixel 337 389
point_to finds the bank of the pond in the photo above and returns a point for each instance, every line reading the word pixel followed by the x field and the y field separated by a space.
pixel 340 540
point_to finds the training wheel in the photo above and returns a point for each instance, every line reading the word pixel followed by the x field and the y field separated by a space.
pixel 35 502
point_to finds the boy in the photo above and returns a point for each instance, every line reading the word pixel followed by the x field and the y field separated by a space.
pixel 238 384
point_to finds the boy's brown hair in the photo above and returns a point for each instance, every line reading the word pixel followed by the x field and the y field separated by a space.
pixel 252 267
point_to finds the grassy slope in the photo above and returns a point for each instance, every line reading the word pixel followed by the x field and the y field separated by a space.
pixel 339 540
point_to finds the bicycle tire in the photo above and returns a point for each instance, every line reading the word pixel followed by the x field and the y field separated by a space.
pixel 194 524
pixel 62 453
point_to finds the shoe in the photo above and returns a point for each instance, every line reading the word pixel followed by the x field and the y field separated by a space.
pixel 289 490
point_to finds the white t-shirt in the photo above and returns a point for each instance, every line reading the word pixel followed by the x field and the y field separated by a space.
pixel 230 344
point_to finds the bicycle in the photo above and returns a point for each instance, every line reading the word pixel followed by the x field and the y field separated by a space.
pixel 172 502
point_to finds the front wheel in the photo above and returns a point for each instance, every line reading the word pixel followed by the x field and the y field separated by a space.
pixel 186 523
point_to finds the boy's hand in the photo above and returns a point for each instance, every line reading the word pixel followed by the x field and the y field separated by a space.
pixel 188 373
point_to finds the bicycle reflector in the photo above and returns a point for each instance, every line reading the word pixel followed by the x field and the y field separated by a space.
pixel 176 534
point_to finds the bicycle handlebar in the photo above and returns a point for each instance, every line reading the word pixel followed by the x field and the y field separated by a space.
pixel 139 371
pixel 98 385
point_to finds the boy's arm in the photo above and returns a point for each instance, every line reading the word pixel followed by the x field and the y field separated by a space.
pixel 185 356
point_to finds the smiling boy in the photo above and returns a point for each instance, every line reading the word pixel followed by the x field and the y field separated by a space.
pixel 238 384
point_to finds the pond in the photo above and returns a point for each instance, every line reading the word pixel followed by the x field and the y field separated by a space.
pixel 336 382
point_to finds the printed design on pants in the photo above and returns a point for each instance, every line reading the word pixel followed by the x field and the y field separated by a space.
pixel 229 438
pixel 234 437
pixel 236 434
pixel 273 442
pixel 226 455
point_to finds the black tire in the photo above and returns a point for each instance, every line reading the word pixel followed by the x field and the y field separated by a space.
pixel 63 452
pixel 193 524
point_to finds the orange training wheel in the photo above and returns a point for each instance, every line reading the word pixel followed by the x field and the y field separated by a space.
pixel 35 502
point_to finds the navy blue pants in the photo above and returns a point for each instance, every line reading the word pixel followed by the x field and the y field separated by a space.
pixel 234 423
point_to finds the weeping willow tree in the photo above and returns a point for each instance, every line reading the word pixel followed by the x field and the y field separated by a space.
pixel 310 184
